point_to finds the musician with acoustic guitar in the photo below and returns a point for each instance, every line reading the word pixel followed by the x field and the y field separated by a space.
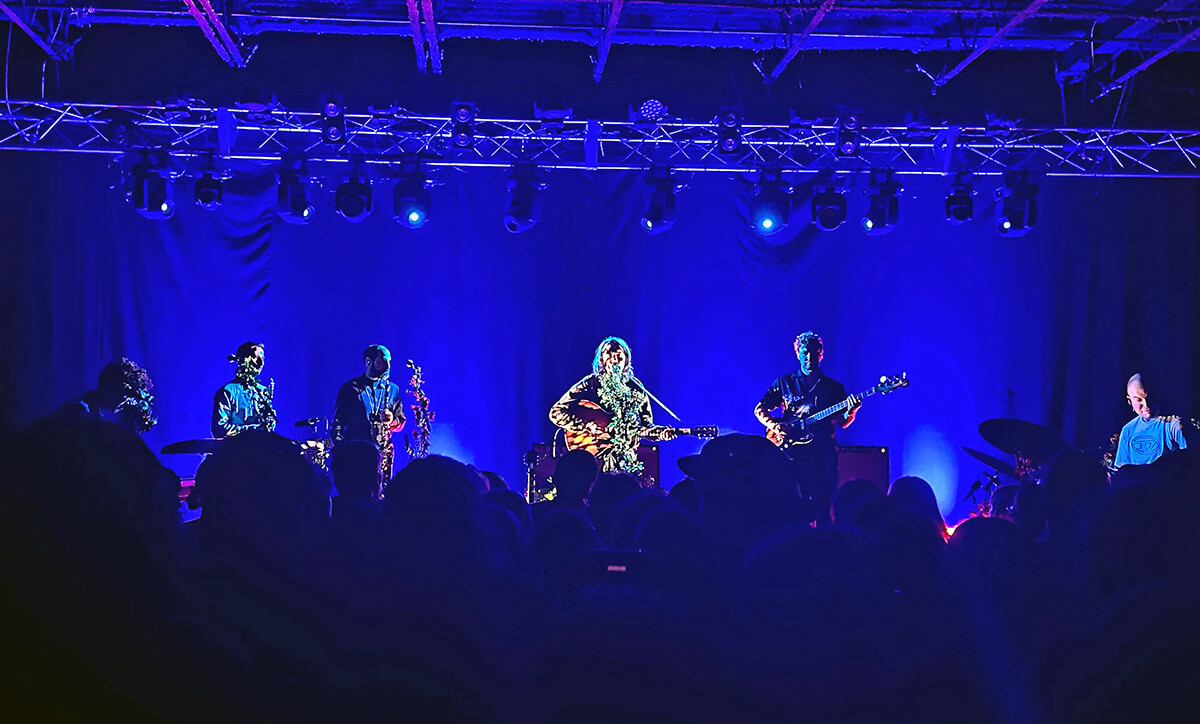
pixel 812 447
pixel 608 412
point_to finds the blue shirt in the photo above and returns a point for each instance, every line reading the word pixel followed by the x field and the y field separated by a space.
pixel 237 408
pixel 1144 441
pixel 357 401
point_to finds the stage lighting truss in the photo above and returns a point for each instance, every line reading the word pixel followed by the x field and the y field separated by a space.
pixel 569 143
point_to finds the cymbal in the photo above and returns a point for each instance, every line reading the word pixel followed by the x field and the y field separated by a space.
pixel 995 463
pixel 1021 438
pixel 203 446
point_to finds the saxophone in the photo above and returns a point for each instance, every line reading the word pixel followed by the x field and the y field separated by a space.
pixel 418 446
pixel 383 439
pixel 270 419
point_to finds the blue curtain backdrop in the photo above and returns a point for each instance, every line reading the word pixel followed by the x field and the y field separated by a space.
pixel 1044 328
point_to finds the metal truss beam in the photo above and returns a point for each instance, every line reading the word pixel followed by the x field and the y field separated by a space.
pixel 1013 22
pixel 798 42
pixel 216 32
pixel 431 37
pixel 1190 37
pixel 606 38
pixel 414 24
pixel 675 32
pixel 803 148
pixel 26 20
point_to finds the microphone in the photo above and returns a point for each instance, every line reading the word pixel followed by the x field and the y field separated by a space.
pixel 310 422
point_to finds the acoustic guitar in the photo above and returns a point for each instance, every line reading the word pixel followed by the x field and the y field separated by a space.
pixel 589 411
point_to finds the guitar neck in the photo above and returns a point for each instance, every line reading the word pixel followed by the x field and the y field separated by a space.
pixel 844 404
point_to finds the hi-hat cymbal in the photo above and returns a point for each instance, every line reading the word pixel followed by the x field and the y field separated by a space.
pixel 1021 438
pixel 203 446
pixel 995 463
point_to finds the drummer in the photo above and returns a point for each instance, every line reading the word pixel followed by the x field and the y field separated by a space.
pixel 1146 437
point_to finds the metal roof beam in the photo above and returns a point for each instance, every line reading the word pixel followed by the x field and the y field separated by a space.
pixel 414 24
pixel 1138 27
pixel 1013 22
pixel 606 37
pixel 794 49
pixel 216 32
pixel 431 36
pixel 1149 62
pixel 24 19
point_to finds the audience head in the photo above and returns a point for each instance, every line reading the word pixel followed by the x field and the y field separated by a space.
pixel 513 502
pixel 916 495
pixel 574 474
pixel 260 494
pixel 849 493
pixel 687 493
pixel 606 494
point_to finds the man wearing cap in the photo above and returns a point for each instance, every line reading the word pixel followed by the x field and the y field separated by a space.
pixel 808 390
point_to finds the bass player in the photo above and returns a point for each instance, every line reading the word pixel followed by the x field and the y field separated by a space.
pixel 806 390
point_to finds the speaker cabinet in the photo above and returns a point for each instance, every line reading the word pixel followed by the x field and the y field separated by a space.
pixel 864 461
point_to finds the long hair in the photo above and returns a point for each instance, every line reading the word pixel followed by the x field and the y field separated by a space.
pixel 605 344
pixel 124 378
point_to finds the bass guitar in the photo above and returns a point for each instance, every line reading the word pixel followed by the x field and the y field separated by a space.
pixel 800 422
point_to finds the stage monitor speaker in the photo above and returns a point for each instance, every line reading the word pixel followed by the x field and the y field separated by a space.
pixel 864 461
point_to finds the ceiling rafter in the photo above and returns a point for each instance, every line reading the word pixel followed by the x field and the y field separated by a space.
pixel 606 38
pixel 798 42
pixel 216 32
pixel 431 37
pixel 1125 77
pixel 25 19
pixel 1029 11
pixel 414 24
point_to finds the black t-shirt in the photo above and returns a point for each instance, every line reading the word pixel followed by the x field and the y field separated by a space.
pixel 791 393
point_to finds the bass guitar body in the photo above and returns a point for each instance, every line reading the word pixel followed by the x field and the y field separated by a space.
pixel 799 423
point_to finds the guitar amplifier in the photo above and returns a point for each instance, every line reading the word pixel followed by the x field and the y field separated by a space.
pixel 864 461
pixel 541 459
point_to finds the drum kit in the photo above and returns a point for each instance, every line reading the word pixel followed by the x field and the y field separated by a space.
pixel 315 448
pixel 1030 444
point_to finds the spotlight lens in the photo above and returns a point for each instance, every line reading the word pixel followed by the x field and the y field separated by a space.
pixel 166 207
pixel 1006 224
pixel 647 224
pixel 766 223
pixel 868 224
pixel 414 216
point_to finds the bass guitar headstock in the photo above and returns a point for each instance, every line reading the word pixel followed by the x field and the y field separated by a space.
pixel 704 433
pixel 888 383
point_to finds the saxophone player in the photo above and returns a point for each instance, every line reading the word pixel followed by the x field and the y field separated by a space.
pixel 369 407
pixel 245 403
